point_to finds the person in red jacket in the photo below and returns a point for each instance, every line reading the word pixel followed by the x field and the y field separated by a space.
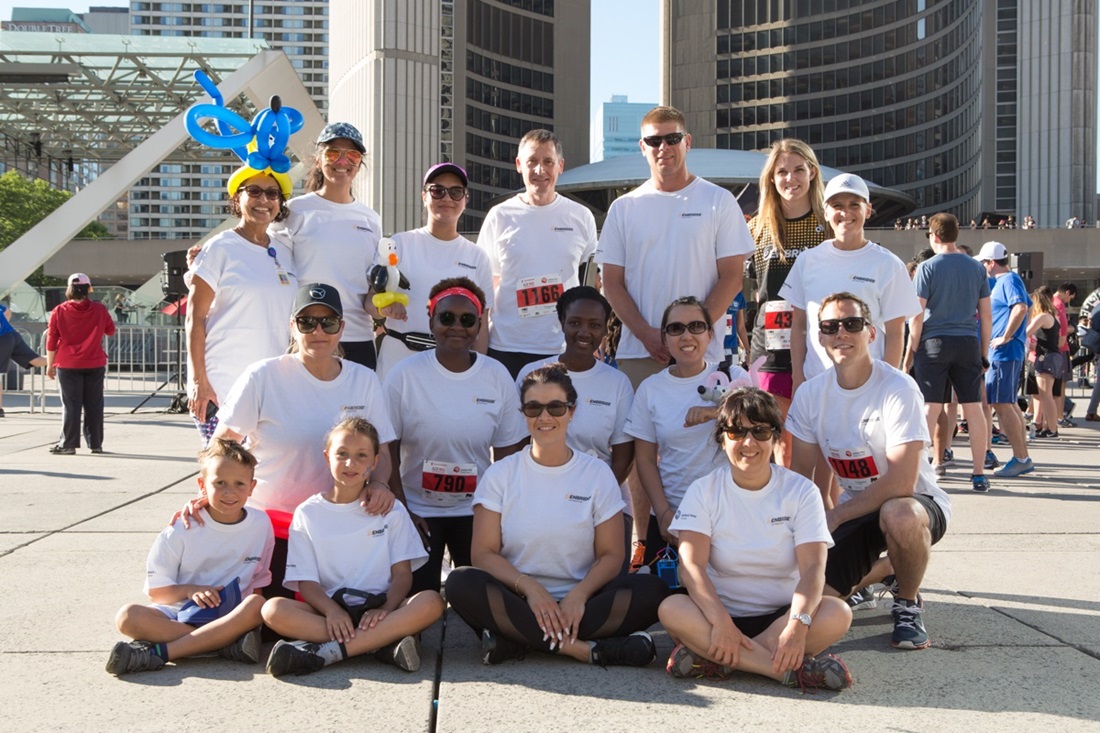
pixel 75 357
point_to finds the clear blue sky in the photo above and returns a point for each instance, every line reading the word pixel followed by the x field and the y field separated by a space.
pixel 624 46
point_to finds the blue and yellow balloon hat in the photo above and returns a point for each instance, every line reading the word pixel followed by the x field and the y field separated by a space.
pixel 260 145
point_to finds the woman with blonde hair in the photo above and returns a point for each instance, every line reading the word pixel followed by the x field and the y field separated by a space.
pixel 1043 336
pixel 790 220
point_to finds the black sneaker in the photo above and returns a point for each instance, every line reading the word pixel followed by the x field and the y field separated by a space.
pixel 245 649
pixel 133 656
pixel 636 650
pixel 97 451
pixel 825 672
pixel 59 451
pixel 909 631
pixel 403 654
pixel 299 657
pixel 496 648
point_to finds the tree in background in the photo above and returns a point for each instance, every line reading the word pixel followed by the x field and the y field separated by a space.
pixel 25 202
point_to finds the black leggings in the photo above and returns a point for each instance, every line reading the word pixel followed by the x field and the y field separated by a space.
pixel 626 604
pixel 453 533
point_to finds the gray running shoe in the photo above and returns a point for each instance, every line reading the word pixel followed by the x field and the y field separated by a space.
pixel 636 650
pixel 299 657
pixel 890 585
pixel 133 656
pixel 684 663
pixel 245 649
pixel 863 599
pixel 403 654
pixel 991 461
pixel 824 672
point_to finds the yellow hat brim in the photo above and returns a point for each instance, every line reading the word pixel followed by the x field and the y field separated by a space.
pixel 245 172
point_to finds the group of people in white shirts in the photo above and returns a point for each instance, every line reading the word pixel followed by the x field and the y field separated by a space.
pixel 511 445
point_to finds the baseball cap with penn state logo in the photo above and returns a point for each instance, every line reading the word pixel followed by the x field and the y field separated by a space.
pixel 318 294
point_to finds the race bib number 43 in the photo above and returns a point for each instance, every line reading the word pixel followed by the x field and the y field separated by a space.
pixel 448 483
pixel 536 296
pixel 777 325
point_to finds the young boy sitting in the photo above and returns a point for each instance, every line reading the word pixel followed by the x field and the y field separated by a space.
pixel 195 566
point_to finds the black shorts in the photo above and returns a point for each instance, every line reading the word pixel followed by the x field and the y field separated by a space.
pixel 753 626
pixel 859 542
pixel 949 361
pixel 14 348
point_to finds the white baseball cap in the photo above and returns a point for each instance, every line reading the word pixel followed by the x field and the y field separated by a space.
pixel 79 278
pixel 992 251
pixel 847 183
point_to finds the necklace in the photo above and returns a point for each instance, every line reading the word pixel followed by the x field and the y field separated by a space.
pixel 266 238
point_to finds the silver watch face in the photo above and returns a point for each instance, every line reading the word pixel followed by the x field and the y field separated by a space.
pixel 804 618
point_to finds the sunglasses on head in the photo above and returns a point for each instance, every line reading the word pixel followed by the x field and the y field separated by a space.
pixel 675 328
pixel 447 318
pixel 256 192
pixel 830 326
pixel 333 155
pixel 672 138
pixel 556 408
pixel 307 324
pixel 759 432
pixel 457 193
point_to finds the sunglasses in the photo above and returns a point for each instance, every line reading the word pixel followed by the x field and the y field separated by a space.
pixel 257 192
pixel 759 432
pixel 556 408
pixel 671 139
pixel 307 324
pixel 457 193
pixel 830 326
pixel 447 318
pixel 676 328
pixel 332 155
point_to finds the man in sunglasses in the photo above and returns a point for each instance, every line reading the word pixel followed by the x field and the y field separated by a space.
pixel 536 242
pixel 867 419
pixel 947 345
pixel 675 235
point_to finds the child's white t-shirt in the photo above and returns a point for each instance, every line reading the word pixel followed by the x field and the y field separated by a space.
pixel 753 535
pixel 446 422
pixel 213 554
pixel 549 515
pixel 341 546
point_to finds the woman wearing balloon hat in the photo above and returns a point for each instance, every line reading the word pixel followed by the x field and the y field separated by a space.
pixel 334 236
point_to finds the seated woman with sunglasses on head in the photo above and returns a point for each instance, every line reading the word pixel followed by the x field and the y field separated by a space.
pixel 334 236
pixel 427 255
pixel 285 406
pixel 449 405
pixel 670 420
pixel 548 549
pixel 753 543
pixel 241 288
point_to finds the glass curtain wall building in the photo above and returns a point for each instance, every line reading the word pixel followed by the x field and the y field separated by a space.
pixel 919 95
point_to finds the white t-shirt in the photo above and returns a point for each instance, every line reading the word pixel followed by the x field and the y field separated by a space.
pixel 249 318
pixel 341 546
pixel 446 423
pixel 335 244
pixel 669 245
pixel 856 427
pixel 872 273
pixel 657 416
pixel 536 252
pixel 604 398
pixel 549 515
pixel 753 535
pixel 213 554
pixel 285 412
pixel 425 260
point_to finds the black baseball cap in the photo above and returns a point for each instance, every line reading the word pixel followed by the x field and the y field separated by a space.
pixel 318 294
pixel 441 168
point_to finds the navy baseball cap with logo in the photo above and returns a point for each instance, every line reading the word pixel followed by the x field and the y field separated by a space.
pixel 345 130
pixel 318 294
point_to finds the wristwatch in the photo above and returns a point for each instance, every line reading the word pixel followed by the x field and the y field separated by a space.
pixel 803 618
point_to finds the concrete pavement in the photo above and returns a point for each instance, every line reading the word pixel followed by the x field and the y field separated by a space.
pixel 1012 594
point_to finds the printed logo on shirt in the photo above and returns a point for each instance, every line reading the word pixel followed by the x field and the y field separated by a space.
pixel 466 265
pixel 685 515
pixel 779 520
pixel 563 229
pixel 601 403
pixel 868 420
pixel 362 228
pixel 861 279
pixel 690 214
pixel 771 253
pixel 484 401
pixel 251 560
pixel 577 498
pixel 380 532
pixel 352 408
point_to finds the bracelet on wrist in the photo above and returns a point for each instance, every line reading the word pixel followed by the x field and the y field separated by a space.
pixel 515 585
